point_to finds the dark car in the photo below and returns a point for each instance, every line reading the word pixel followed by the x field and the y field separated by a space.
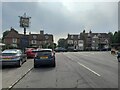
pixel 118 56
pixel 29 53
pixel 13 57
pixel 60 49
pixel 44 57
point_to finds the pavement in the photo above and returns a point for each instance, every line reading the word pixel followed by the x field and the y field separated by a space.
pixel 73 70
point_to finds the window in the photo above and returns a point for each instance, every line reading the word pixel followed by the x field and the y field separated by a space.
pixel 75 42
pixel 19 52
pixel 33 41
pixel 106 41
pixel 78 36
pixel 71 36
pixel 46 37
pixel 34 36
pixel 88 35
pixel 80 41
pixel 14 40
pixel 70 41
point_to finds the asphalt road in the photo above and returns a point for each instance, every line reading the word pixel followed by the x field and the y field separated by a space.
pixel 73 70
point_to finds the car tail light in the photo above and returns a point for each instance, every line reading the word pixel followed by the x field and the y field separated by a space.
pixel 36 55
pixel 52 54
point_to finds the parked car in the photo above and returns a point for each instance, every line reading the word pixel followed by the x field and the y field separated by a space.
pixel 113 51
pixel 44 57
pixel 13 57
pixel 29 53
pixel 60 49
pixel 118 57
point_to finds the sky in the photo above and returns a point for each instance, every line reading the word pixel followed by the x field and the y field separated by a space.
pixel 61 17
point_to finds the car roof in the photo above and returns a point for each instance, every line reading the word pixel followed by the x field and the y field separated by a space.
pixel 10 51
pixel 44 49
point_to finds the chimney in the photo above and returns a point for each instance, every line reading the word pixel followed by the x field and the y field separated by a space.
pixel 11 28
pixel 29 33
pixel 41 32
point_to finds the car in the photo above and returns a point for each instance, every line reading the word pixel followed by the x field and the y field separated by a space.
pixel 118 57
pixel 44 57
pixel 113 51
pixel 29 53
pixel 60 49
pixel 13 57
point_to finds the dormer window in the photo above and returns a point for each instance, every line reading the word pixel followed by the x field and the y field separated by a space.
pixel 14 40
pixel 71 36
pixel 34 36
pixel 88 34
pixel 99 35
pixel 95 36
pixel 78 36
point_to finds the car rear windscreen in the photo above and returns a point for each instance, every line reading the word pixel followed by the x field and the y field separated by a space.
pixel 9 54
pixel 47 52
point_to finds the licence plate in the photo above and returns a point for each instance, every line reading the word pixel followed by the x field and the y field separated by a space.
pixel 44 57
pixel 6 59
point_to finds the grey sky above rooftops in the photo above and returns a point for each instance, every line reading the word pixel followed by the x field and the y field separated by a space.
pixel 61 18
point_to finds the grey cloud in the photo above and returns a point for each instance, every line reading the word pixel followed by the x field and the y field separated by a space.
pixel 56 18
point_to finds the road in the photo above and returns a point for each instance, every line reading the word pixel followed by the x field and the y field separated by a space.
pixel 73 70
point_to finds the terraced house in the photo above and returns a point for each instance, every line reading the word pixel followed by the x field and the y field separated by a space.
pixel 88 41
pixel 14 39
pixel 95 41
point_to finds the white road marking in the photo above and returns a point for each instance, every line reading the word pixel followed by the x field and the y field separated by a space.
pixel 89 69
pixel 12 85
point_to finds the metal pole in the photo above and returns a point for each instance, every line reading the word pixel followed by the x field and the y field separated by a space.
pixel 24 31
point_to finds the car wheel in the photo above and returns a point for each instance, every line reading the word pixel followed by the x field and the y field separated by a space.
pixel 35 66
pixel 25 59
pixel 54 64
pixel 119 59
pixel 20 63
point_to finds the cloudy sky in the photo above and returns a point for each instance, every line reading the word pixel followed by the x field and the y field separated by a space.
pixel 61 18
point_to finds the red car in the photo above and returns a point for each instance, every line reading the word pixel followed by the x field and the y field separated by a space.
pixel 29 53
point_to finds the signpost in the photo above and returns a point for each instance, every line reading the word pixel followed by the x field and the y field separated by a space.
pixel 24 23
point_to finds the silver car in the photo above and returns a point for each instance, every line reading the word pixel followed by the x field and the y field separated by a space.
pixel 13 57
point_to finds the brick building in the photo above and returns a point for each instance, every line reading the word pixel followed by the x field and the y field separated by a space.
pixel 88 41
pixel 95 41
pixel 13 38
pixel 75 42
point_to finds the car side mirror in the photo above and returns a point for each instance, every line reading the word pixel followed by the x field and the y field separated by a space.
pixel 54 52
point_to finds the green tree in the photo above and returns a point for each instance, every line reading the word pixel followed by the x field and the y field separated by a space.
pixel 62 43
pixel 118 36
pixel 115 37
pixel 111 37
pixel 5 34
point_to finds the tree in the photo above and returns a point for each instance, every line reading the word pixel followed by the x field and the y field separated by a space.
pixel 118 36
pixel 5 34
pixel 62 43
pixel 115 38
pixel 111 37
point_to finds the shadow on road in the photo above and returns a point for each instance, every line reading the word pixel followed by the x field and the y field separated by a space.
pixel 8 67
pixel 43 69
